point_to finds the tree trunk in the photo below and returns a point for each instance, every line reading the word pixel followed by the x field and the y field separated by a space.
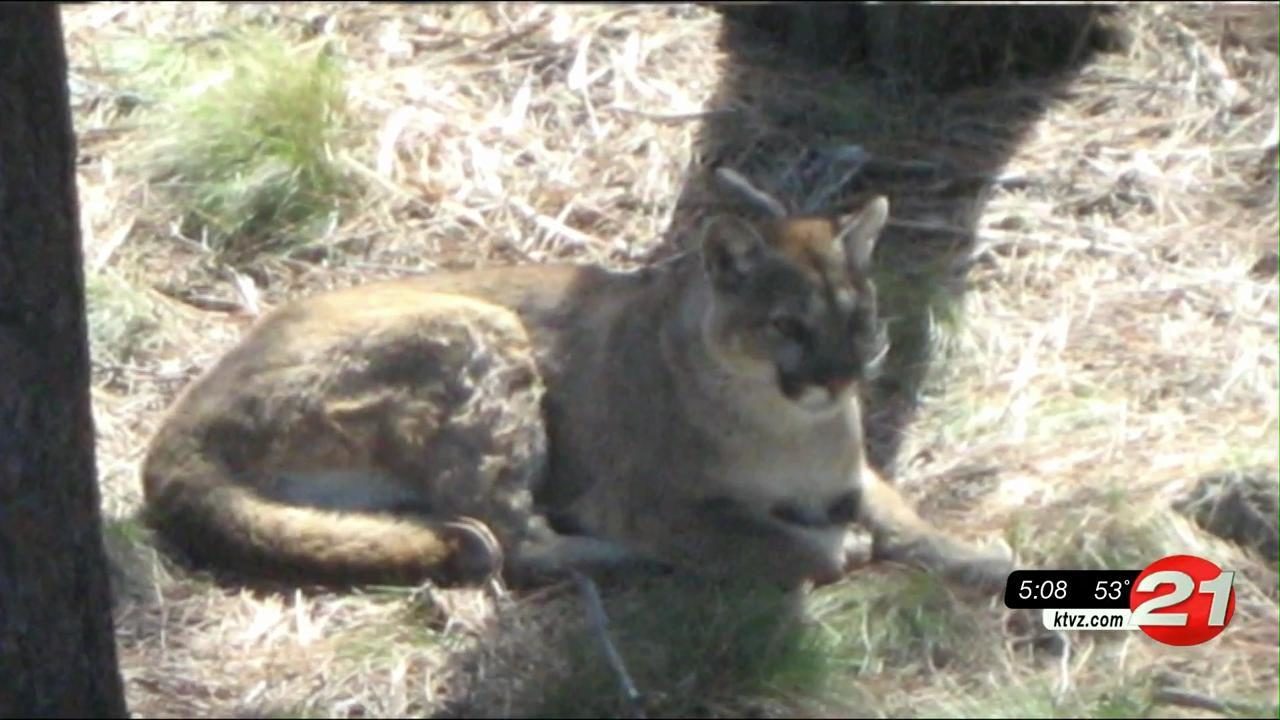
pixel 57 644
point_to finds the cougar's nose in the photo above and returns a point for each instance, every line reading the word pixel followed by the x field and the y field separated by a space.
pixel 837 385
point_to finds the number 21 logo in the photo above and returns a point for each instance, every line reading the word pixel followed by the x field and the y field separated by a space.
pixel 1183 600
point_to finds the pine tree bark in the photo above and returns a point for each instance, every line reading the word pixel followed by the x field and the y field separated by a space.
pixel 57 644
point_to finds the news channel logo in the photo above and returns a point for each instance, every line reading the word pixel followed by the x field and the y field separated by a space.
pixel 1177 600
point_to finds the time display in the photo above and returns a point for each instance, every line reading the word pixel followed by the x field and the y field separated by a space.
pixel 1069 589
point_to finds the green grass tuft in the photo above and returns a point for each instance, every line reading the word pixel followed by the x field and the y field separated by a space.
pixel 247 128
pixel 128 529
pixel 717 651
pixel 123 321
pixel 687 650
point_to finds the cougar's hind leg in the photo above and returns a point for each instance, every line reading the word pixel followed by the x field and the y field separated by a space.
pixel 440 414
pixel 389 434
pixel 452 404
pixel 475 554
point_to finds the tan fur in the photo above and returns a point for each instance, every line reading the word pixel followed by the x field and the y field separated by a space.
pixel 438 428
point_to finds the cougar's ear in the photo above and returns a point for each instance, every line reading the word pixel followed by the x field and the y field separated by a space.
pixel 859 231
pixel 731 249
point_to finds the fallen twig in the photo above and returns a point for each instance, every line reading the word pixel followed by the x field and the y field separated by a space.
pixel 552 225
pixel 600 624
pixel 1186 698
pixel 672 117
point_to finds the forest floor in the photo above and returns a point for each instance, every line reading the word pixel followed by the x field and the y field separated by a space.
pixel 1101 332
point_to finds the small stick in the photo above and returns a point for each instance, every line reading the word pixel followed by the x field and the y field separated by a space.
pixel 600 623
pixel 1188 699
pixel 733 182
pixel 1064 671
pixel 670 117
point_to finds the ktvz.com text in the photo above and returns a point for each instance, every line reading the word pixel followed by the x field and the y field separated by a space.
pixel 1089 619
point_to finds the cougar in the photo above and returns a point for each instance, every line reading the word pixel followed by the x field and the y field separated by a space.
pixel 526 422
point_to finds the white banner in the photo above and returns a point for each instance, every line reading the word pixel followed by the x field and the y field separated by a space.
pixel 1088 619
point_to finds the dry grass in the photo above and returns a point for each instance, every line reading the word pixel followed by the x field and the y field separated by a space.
pixel 1079 340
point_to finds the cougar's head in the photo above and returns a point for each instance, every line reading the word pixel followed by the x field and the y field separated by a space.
pixel 792 300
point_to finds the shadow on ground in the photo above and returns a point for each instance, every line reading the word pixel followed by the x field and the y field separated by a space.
pixel 826 104
pixel 821 105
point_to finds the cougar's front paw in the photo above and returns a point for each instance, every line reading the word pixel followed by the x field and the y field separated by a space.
pixel 825 555
pixel 984 569
pixel 476 555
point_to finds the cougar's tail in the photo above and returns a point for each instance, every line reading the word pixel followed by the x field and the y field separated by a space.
pixel 229 527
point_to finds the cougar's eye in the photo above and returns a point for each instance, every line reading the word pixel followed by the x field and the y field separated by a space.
pixel 844 509
pixel 788 327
